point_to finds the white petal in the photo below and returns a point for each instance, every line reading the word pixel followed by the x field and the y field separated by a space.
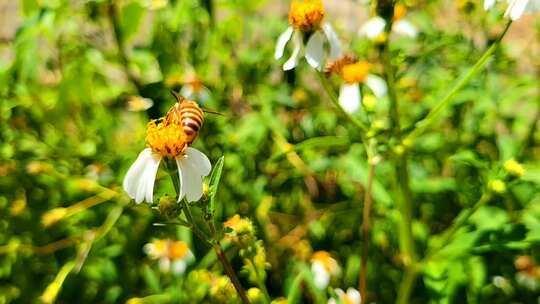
pixel 201 162
pixel 405 28
pixel 292 62
pixel 178 267
pixel 315 50
pixel 332 301
pixel 377 85
pixel 180 179
pixel 282 42
pixel 164 265
pixel 333 40
pixel 187 91
pixel 373 27
pixel 516 8
pixel 151 172
pixel 321 277
pixel 191 183
pixel 349 97
pixel 354 296
pixel 140 178
pixel 488 4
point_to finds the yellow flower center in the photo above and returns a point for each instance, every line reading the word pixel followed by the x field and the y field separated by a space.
pixel 325 259
pixel 355 72
pixel 178 250
pixel 399 11
pixel 346 300
pixel 168 139
pixel 306 15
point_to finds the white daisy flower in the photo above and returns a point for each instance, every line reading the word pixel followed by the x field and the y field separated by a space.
pixel 354 73
pixel 167 138
pixel 323 267
pixel 374 27
pixel 351 297
pixel 172 256
pixel 307 18
pixel 516 8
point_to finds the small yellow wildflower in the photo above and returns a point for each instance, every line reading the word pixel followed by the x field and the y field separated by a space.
pixel 514 168
pixel 497 186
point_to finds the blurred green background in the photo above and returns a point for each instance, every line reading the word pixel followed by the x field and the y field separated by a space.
pixel 72 74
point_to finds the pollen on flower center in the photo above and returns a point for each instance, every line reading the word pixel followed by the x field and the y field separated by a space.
pixel 178 250
pixel 306 15
pixel 325 259
pixel 166 139
pixel 355 72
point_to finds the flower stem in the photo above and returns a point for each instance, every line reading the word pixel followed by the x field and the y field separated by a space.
pixel 328 88
pixel 458 222
pixel 372 162
pixel 432 116
pixel 230 273
pixel 260 282
pixel 214 241
pixel 402 187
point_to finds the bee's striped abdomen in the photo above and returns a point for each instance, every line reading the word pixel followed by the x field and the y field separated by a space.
pixel 192 118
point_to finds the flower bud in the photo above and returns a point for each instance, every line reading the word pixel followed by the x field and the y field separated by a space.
pixel 497 186
pixel 514 168
pixel 168 207
pixel 53 216
pixel 369 102
pixel 255 296
pixel 222 291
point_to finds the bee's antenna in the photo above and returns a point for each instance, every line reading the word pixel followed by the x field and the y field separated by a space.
pixel 213 112
pixel 178 97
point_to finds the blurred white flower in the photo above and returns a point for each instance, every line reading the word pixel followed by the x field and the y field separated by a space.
pixel 351 297
pixel 138 103
pixel 172 256
pixel 516 8
pixel 194 89
pixel 306 18
pixel 354 73
pixel 374 27
pixel 167 139
pixel 323 267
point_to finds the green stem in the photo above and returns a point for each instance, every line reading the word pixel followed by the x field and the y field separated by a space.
pixel 260 282
pixel 403 190
pixel 120 44
pixel 458 222
pixel 406 286
pixel 362 282
pixel 230 273
pixel 333 97
pixel 214 241
pixel 433 115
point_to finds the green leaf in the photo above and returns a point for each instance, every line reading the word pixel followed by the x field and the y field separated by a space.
pixel 214 183
pixel 130 18
pixel 316 142
pixel 151 279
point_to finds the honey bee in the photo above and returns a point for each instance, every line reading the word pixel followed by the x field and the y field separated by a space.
pixel 336 65
pixel 188 114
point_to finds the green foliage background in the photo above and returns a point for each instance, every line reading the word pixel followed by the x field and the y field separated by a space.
pixel 293 165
